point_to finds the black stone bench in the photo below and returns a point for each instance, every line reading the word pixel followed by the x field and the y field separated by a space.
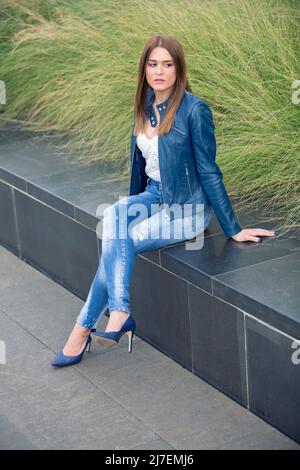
pixel 229 312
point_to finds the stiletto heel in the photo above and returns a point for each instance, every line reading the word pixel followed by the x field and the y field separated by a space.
pixel 61 360
pixel 130 339
pixel 113 337
pixel 88 348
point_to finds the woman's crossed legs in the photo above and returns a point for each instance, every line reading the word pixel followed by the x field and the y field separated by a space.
pixel 132 225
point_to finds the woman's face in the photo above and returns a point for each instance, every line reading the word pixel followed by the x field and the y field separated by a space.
pixel 160 65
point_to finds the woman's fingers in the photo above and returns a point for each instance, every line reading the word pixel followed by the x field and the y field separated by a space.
pixel 253 239
pixel 261 231
pixel 252 234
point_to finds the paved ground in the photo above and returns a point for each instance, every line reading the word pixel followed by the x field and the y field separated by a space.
pixel 112 399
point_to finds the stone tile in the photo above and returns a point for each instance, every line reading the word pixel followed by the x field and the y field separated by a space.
pixel 178 406
pixel 157 444
pixel 249 218
pixel 56 244
pixel 218 344
pixel 59 408
pixel 80 185
pixel 51 200
pixel 47 173
pixel 145 387
pixel 49 311
pixel 268 291
pixel 8 232
pixel 274 377
pixel 156 307
pixel 28 159
pixel 11 438
pixel 217 256
pixel 152 255
pixel 13 180
pixel 86 218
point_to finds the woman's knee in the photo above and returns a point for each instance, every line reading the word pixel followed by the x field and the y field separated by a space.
pixel 109 222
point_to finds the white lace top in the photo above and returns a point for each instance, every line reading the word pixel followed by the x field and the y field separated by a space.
pixel 149 149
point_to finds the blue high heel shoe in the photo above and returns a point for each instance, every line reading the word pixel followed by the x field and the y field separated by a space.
pixel 61 360
pixel 112 337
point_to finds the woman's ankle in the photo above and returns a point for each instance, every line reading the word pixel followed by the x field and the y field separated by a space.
pixel 81 330
pixel 118 314
pixel 116 320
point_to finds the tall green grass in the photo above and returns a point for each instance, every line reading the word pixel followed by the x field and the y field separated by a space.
pixel 70 69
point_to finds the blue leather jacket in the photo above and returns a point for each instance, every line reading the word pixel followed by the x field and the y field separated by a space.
pixel 188 171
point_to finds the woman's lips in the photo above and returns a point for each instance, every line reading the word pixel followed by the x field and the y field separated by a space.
pixel 159 81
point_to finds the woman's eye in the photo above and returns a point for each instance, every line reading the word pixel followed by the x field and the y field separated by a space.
pixel 168 65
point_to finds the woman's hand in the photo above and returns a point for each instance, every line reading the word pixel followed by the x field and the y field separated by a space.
pixel 251 234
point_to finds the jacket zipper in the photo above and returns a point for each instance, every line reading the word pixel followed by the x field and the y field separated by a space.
pixel 178 130
pixel 187 175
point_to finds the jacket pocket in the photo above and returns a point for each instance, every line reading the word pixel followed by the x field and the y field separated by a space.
pixel 188 178
pixel 180 131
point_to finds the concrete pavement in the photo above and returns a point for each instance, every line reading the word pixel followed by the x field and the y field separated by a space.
pixel 111 399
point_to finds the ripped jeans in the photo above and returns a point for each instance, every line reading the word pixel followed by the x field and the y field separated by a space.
pixel 124 235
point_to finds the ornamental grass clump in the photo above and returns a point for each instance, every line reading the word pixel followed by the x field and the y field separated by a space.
pixel 70 71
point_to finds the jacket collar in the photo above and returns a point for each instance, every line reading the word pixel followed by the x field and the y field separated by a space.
pixel 161 107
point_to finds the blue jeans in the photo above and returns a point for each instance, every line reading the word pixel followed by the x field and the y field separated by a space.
pixel 124 235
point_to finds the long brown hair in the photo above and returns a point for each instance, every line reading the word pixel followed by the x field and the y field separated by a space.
pixel 181 84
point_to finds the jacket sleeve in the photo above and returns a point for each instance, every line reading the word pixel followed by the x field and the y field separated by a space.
pixel 211 178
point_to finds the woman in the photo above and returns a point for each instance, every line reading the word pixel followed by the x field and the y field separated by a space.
pixel 173 152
